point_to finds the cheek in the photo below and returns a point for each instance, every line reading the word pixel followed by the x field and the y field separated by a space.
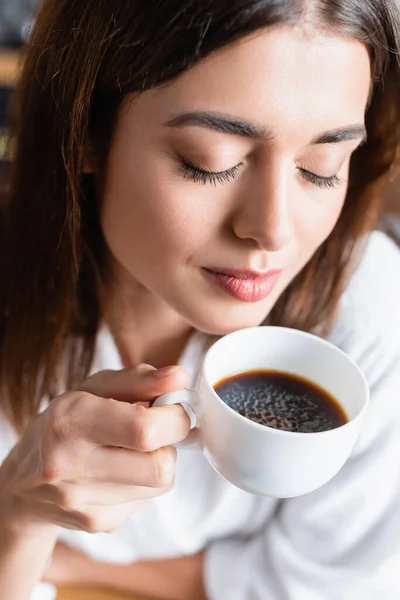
pixel 317 225
pixel 149 215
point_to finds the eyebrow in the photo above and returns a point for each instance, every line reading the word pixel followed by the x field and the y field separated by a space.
pixel 345 134
pixel 221 123
pixel 232 126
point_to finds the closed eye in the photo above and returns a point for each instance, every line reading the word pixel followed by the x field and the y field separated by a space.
pixel 192 172
pixel 319 181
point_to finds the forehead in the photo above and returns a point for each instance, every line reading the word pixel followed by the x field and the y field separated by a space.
pixel 281 77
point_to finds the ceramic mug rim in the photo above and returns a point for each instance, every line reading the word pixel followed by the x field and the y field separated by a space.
pixel 266 428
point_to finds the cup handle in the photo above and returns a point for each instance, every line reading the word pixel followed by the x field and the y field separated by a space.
pixel 189 401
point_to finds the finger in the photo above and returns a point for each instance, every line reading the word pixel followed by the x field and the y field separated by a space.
pixel 107 422
pixel 99 518
pixel 93 519
pixel 79 495
pixel 112 465
pixel 118 494
pixel 142 382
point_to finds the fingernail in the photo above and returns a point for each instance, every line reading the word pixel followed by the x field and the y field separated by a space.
pixel 165 372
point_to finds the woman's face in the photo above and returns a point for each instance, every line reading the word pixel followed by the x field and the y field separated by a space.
pixel 221 185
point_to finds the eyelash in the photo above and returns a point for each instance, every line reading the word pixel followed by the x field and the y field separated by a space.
pixel 321 182
pixel 191 172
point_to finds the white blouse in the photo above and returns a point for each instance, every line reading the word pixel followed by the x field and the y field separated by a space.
pixel 340 542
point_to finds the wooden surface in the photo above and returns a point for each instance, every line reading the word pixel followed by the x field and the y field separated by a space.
pixel 9 67
pixel 90 594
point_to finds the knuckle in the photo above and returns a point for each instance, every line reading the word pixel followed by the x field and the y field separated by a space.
pixel 61 461
pixel 77 401
pixel 53 468
pixel 68 498
pixel 64 414
pixel 57 418
pixel 143 429
pixel 58 452
pixel 163 467
pixel 92 523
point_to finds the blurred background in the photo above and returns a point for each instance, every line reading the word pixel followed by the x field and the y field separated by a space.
pixel 16 18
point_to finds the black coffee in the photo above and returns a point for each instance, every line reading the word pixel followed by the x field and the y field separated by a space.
pixel 282 401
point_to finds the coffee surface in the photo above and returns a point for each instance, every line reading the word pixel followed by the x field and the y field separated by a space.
pixel 282 401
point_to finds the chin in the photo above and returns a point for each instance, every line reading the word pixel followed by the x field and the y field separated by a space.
pixel 223 322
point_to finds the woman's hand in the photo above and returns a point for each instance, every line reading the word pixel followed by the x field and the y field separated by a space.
pixel 94 455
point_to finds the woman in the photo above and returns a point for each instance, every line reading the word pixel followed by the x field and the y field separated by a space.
pixel 181 171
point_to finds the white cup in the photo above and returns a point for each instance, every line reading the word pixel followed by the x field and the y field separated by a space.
pixel 257 458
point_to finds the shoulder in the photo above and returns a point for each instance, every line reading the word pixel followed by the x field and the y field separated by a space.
pixel 368 325
pixel 368 330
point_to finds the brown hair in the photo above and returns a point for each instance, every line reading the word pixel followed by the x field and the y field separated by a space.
pixel 81 61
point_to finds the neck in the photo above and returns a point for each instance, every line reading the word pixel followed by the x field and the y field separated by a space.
pixel 145 329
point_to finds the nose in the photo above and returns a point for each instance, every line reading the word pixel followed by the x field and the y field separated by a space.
pixel 264 214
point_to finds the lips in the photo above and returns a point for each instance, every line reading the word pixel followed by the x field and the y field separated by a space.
pixel 244 285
